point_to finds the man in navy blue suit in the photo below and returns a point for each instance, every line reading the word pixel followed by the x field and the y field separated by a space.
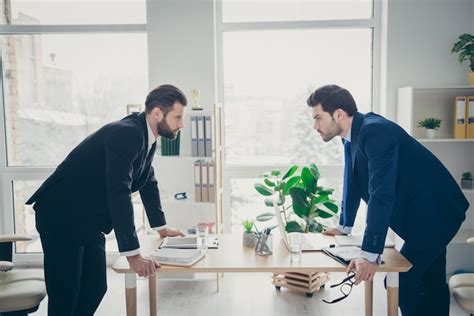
pixel 405 187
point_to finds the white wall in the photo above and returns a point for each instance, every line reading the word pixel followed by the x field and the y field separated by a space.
pixel 420 35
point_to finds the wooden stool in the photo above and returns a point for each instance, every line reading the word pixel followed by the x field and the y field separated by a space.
pixel 307 283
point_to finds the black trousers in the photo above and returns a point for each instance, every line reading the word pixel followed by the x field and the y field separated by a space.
pixel 75 274
pixel 423 289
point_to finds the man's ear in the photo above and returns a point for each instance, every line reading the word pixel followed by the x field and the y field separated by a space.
pixel 157 114
pixel 338 115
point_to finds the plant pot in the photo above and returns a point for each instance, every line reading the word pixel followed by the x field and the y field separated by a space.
pixel 471 78
pixel 466 183
pixel 249 240
pixel 430 133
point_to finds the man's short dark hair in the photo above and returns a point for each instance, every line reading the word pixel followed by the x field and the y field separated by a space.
pixel 164 97
pixel 332 97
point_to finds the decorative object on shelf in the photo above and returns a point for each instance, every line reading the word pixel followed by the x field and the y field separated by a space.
pixel 196 95
pixel 170 147
pixel 465 48
pixel 466 180
pixel 249 238
pixel 431 124
pixel 310 202
pixel 180 196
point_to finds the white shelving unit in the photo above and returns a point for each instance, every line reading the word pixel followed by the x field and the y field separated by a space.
pixel 415 104
pixel 176 174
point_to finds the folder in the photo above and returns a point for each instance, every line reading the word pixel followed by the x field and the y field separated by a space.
pixel 210 181
pixel 205 181
pixel 460 118
pixel 197 181
pixel 200 135
pixel 194 140
pixel 208 136
pixel 470 117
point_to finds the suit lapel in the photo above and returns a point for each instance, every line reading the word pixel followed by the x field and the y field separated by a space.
pixel 355 129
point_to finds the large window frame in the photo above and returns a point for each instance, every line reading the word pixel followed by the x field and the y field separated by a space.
pixel 10 174
pixel 235 171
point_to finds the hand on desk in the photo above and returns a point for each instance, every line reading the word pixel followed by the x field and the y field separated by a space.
pixel 332 232
pixel 170 232
pixel 364 270
pixel 143 266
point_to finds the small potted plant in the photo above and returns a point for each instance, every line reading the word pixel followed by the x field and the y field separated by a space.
pixel 431 124
pixel 465 48
pixel 466 180
pixel 249 238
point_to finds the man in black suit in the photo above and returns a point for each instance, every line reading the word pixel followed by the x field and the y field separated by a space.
pixel 89 194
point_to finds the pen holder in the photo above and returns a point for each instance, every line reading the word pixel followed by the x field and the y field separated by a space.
pixel 264 245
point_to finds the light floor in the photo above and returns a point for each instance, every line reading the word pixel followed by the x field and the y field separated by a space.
pixel 240 294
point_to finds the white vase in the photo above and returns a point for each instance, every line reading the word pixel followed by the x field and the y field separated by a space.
pixel 430 133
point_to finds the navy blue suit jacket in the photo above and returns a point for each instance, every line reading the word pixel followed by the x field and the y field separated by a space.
pixel 90 191
pixel 405 186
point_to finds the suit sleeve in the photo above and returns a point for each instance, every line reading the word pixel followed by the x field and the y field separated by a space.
pixel 121 149
pixel 381 150
pixel 150 195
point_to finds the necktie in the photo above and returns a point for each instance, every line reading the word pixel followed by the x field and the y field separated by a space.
pixel 347 168
pixel 149 157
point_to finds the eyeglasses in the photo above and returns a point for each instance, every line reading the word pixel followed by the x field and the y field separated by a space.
pixel 346 288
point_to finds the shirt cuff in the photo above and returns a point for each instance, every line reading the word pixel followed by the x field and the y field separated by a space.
pixel 345 229
pixel 371 257
pixel 160 227
pixel 130 253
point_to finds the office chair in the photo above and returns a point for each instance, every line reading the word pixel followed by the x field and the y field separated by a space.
pixel 21 291
pixel 461 287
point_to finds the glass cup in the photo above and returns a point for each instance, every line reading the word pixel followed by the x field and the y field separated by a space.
pixel 202 232
pixel 294 245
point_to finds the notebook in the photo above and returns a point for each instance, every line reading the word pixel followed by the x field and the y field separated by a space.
pixel 343 255
pixel 189 242
pixel 177 257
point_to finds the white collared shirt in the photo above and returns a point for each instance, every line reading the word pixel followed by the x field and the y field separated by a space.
pixel 151 137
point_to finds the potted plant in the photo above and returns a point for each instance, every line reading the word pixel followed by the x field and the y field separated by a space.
pixel 249 238
pixel 466 180
pixel 309 202
pixel 465 48
pixel 431 124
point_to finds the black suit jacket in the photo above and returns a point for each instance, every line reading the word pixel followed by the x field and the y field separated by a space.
pixel 90 191
pixel 405 186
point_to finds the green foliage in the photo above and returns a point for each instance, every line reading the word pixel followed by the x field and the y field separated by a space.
pixel 430 123
pixel 465 48
pixel 248 225
pixel 467 176
pixel 308 200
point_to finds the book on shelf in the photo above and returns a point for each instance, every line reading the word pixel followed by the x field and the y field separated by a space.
pixel 201 135
pixel 460 117
pixel 470 117
pixel 179 257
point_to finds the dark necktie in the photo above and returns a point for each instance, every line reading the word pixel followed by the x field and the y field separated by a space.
pixel 151 153
pixel 347 168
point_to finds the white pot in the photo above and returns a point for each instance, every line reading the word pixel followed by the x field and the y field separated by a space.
pixel 430 133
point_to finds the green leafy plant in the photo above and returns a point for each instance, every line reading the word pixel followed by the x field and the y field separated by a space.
pixel 248 225
pixel 430 123
pixel 309 202
pixel 465 48
pixel 467 176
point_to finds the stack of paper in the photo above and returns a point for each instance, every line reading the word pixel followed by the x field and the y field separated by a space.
pixel 177 256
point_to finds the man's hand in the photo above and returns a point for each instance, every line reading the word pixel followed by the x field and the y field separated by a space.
pixel 364 270
pixel 332 232
pixel 170 232
pixel 143 266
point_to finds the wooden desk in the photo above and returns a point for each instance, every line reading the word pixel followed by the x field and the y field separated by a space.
pixel 233 257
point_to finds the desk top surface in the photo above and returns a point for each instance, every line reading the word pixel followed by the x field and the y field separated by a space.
pixel 233 257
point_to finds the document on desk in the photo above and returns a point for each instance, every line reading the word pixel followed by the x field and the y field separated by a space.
pixel 343 255
pixel 350 240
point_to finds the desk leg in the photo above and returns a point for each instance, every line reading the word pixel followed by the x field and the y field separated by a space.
pixel 369 290
pixel 152 293
pixel 392 293
pixel 217 281
pixel 131 293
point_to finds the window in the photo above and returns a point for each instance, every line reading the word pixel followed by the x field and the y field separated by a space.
pixel 272 55
pixel 60 84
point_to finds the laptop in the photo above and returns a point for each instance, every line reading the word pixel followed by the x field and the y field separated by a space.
pixel 310 241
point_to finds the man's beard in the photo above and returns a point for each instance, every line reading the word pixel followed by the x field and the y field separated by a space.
pixel 165 131
pixel 333 132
